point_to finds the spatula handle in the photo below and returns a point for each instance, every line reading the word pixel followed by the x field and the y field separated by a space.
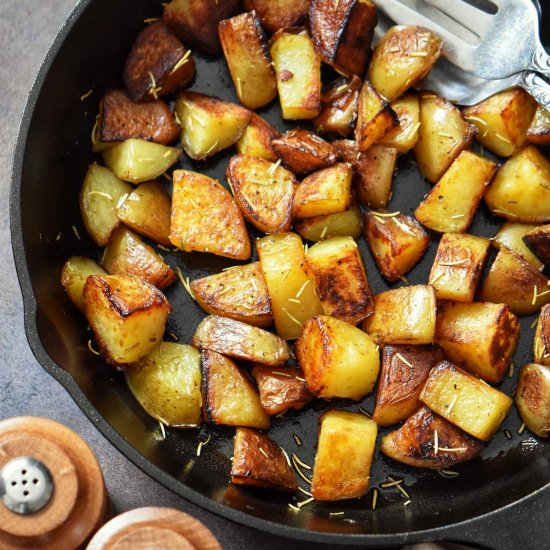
pixel 537 86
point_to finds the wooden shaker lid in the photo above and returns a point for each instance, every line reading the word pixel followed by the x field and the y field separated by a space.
pixel 52 493
pixel 151 527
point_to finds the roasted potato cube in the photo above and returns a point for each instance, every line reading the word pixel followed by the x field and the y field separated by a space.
pixel 542 337
pixel 341 279
pixel 127 315
pixel 427 440
pixel 263 191
pixel 239 407
pixel 466 401
pixel 502 120
pixel 196 21
pixel 239 293
pixel 533 398
pixel 341 224
pixel 158 64
pixel 539 131
pixel 458 266
pixel 167 384
pixel 520 191
pixel 245 48
pixel 278 14
pixel 239 340
pixel 538 240
pixel 327 191
pixel 403 315
pixel 208 124
pixel 256 139
pixel 396 241
pixel 373 171
pixel 480 337
pixel 293 296
pixel 344 456
pixel 73 277
pixel 298 70
pixel 205 218
pixel 147 211
pixel 99 197
pixel 442 136
pixel 120 119
pixel 402 58
pixel 513 281
pixel 374 117
pixel 404 136
pixel 338 359
pixel 303 152
pixel 259 462
pixel 281 389
pixel 137 160
pixel 451 205
pixel 511 235
pixel 403 372
pixel 342 32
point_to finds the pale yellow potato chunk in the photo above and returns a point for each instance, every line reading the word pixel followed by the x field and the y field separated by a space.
pixel 73 277
pixel 511 236
pixel 404 136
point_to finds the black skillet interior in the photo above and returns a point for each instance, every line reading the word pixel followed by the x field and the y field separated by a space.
pixel 52 156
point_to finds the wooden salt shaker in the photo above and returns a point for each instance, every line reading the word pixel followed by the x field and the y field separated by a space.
pixel 52 493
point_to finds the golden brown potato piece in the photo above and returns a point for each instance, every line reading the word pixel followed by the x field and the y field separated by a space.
pixel 196 21
pixel 263 191
pixel 513 281
pixel 342 32
pixel 458 266
pixel 373 171
pixel 427 440
pixel 402 58
pixel 158 64
pixel 466 401
pixel 327 191
pixel 239 407
pixel 73 277
pixel 127 315
pixel 502 120
pixel 538 240
pixel 403 372
pixel 278 14
pixel 520 191
pixel 245 48
pixel 341 224
pixel 396 241
pixel 259 462
pixel 341 279
pixel 256 139
pixel 338 359
pixel 120 118
pixel 480 337
pixel 374 117
pixel 533 398
pixel 442 136
pixel 147 211
pixel 404 136
pixel 206 218
pixel 239 293
pixel 239 340
pixel 344 456
pixel 403 315
pixel 452 203
pixel 541 343
pixel 281 389
pixel 303 152
pixel 539 131
pixel 511 235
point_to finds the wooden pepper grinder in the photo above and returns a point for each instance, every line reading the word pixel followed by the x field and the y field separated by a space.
pixel 52 493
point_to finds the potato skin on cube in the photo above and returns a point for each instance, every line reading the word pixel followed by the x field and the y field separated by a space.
pixel 533 398
pixel 539 131
pixel 538 240
pixel 73 277
pixel 338 359
pixel 344 456
pixel 542 337
pixel 404 136
pixel 256 139
pixel 341 224
pixel 278 14
pixel 512 235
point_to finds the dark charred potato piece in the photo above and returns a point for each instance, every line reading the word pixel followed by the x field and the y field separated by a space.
pixel 278 14
pixel 196 21
pixel 342 32
pixel 542 337
pixel 533 398
pixel 239 407
pixel 538 240
pixel 259 462
pixel 121 118
pixel 281 389
pixel 425 439
pixel 239 340
pixel 539 131
pixel 158 64
pixel 256 139
pixel 127 254
pixel 303 152
pixel 403 372
pixel 341 224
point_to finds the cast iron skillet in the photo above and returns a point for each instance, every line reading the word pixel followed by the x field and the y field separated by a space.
pixel 51 157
